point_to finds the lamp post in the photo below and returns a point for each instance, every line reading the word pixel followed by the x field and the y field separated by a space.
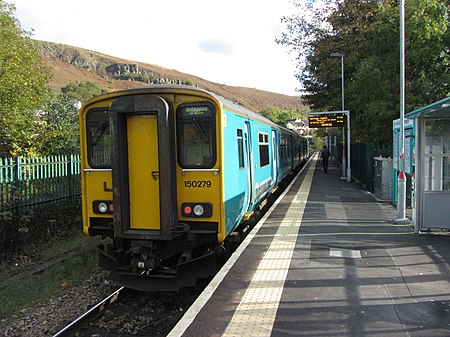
pixel 401 179
pixel 341 55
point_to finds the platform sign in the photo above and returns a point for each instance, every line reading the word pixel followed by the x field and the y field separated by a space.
pixel 326 121
pixel 409 132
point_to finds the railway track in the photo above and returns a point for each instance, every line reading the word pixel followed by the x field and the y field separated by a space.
pixel 126 312
pixel 90 315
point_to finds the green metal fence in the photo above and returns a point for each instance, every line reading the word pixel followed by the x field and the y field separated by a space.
pixel 362 161
pixel 29 181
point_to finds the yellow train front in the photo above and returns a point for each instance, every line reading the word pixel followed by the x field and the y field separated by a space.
pixel 153 166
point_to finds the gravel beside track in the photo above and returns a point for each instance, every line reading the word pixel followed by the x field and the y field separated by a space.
pixel 49 317
pixel 144 314
pixel 136 314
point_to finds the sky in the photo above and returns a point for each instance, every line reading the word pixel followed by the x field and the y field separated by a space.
pixel 229 42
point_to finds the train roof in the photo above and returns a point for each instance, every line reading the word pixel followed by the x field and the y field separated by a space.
pixel 224 102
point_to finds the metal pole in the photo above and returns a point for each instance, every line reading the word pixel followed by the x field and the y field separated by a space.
pixel 341 55
pixel 343 153
pixel 343 108
pixel 401 197
pixel 349 170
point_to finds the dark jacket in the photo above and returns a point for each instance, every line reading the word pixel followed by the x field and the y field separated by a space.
pixel 325 154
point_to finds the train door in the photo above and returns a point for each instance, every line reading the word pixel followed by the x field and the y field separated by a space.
pixel 274 157
pixel 292 152
pixel 142 135
pixel 143 167
pixel 247 144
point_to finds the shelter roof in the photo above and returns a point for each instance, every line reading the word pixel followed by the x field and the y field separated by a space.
pixel 437 109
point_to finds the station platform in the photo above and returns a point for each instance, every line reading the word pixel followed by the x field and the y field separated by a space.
pixel 326 260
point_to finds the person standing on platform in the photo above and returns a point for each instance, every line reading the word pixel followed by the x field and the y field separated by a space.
pixel 325 156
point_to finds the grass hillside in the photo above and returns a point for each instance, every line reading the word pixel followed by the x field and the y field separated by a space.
pixel 70 64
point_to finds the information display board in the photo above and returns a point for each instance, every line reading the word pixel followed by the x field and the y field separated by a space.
pixel 326 121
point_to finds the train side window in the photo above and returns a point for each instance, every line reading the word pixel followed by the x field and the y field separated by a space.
pixel 288 148
pixel 263 141
pixel 98 138
pixel 240 142
pixel 283 148
pixel 196 135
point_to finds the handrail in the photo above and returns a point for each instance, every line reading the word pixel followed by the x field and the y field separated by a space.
pixel 215 171
pixel 97 170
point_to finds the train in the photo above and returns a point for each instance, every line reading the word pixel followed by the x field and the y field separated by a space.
pixel 171 174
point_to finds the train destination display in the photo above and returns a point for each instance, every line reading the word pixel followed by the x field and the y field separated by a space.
pixel 326 121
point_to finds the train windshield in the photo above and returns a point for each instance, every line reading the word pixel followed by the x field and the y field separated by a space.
pixel 196 135
pixel 98 138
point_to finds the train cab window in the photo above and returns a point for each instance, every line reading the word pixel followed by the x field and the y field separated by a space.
pixel 263 142
pixel 196 135
pixel 98 138
pixel 240 148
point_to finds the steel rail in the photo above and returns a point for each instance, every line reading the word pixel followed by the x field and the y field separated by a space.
pixel 89 315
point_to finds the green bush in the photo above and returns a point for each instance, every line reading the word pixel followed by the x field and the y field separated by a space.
pixel 38 224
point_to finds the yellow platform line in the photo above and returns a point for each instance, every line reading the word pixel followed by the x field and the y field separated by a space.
pixel 256 313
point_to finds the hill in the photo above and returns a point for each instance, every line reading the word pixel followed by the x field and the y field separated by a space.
pixel 70 64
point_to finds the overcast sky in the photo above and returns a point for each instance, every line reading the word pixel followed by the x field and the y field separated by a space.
pixel 228 42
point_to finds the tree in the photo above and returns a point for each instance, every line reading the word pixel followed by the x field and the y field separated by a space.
pixel 58 126
pixel 428 43
pixel 367 32
pixel 82 91
pixel 279 116
pixel 23 85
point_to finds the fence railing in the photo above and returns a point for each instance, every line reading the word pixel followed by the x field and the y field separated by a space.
pixel 362 161
pixel 27 181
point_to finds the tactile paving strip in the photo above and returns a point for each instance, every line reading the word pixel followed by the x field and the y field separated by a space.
pixel 256 312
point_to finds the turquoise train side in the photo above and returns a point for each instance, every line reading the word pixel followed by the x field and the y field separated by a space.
pixel 264 153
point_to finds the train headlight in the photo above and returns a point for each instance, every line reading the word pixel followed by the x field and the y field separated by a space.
pixel 199 210
pixel 102 207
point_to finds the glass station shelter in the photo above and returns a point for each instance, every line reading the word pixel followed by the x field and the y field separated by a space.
pixel 430 166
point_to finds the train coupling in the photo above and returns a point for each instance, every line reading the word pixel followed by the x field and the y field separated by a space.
pixel 143 257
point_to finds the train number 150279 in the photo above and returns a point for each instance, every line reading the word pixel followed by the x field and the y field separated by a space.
pixel 197 183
